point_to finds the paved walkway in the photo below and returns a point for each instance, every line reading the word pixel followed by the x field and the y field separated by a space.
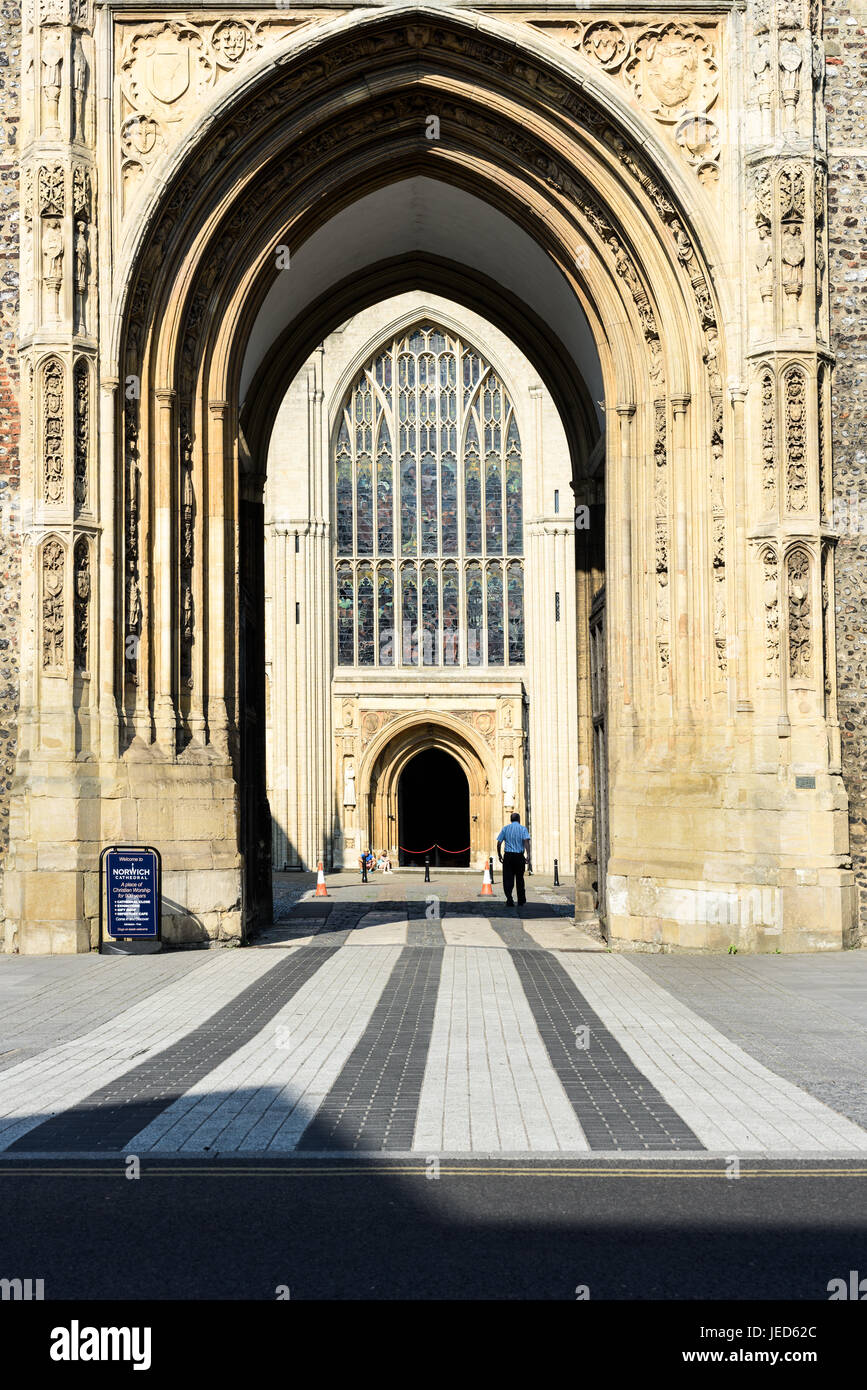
pixel 401 1017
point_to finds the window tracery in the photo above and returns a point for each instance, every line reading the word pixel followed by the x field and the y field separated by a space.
pixel 429 510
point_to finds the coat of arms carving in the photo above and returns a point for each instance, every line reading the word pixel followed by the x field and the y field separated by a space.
pixel 166 70
pixel 673 71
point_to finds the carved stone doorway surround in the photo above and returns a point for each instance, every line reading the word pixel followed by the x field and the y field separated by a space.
pixel 386 758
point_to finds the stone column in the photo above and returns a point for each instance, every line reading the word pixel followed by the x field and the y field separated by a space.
pixel 55 832
pixel 166 614
pixel 685 630
pixel 626 413
pixel 217 715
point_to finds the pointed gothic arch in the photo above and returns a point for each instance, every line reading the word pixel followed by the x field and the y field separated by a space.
pixel 536 133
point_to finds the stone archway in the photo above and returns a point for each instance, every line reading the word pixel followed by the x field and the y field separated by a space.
pixel 382 769
pixel 144 694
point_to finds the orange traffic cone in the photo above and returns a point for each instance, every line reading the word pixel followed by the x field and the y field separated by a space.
pixel 487 890
pixel 321 890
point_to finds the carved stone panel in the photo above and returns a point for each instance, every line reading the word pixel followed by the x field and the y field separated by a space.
pixel 672 71
pixel 796 439
pixel 51 191
pixel 800 615
pixel 769 442
pixel 771 602
pixel 81 606
pixel 81 432
pixel 168 71
pixel 374 720
pixel 52 431
pixel 53 617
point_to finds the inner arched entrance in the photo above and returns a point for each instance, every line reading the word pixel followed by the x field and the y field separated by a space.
pixel 447 800
pixel 433 800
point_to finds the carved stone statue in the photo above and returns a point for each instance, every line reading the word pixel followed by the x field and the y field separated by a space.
pixel 81 272
pixel 765 262
pixel 793 257
pixel 80 72
pixel 52 266
pixel 509 785
pixel 133 599
pixel 52 61
pixel 791 59
pixel 348 785
pixel 52 251
pixel 672 67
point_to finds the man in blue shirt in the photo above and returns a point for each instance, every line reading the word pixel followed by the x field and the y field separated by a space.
pixel 512 842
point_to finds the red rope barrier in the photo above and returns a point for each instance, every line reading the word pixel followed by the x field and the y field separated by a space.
pixel 404 850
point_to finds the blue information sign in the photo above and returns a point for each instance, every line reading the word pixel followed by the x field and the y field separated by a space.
pixel 132 894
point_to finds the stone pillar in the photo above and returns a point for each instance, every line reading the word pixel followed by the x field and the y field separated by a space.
pixel 55 796
pixel 217 714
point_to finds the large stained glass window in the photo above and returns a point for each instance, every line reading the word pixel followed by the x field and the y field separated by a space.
pixel 428 510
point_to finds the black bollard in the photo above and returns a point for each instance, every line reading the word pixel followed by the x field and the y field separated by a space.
pixel 364 869
pixel 491 867
pixel 556 875
pixel 427 868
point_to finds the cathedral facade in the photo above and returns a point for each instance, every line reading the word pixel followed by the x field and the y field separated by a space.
pixel 416 412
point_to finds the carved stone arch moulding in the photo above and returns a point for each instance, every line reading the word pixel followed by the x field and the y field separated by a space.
pixel 52 572
pixel 601 227
pixel 597 220
pixel 208 306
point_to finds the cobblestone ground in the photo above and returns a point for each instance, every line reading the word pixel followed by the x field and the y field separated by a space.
pixel 404 1017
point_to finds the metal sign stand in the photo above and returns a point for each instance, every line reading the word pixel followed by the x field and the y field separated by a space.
pixel 115 944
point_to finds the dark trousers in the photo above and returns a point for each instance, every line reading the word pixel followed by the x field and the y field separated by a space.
pixel 513 876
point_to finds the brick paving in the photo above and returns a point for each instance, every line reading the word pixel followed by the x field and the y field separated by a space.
pixel 400 1016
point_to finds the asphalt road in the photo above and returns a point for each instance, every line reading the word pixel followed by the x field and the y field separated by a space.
pixel 350 1230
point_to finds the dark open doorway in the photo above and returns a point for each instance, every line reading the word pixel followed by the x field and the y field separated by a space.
pixel 434 811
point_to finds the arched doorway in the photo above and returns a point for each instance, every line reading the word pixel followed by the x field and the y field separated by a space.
pixel 462 814
pixel 721 738
pixel 433 800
